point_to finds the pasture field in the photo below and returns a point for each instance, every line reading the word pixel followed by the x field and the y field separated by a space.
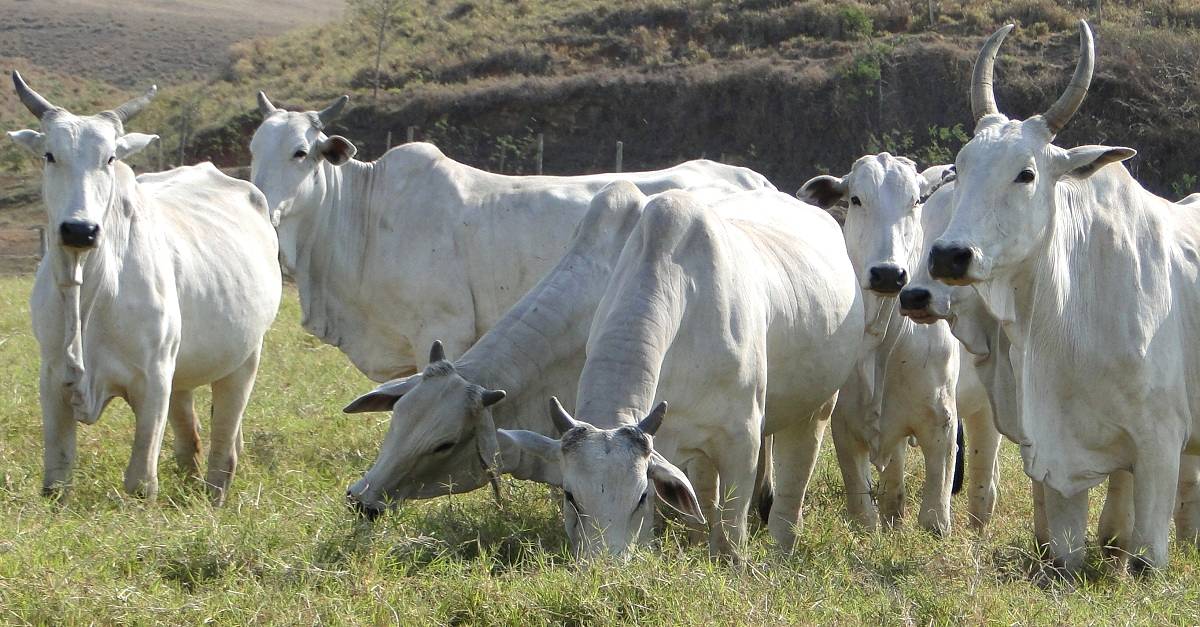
pixel 286 551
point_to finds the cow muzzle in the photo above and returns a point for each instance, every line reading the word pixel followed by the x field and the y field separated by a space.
pixel 79 233
pixel 887 279
pixel 914 305
pixel 364 510
pixel 950 263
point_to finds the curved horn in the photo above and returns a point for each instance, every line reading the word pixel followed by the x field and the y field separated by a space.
pixel 126 111
pixel 562 420
pixel 653 420
pixel 983 100
pixel 265 107
pixel 437 352
pixel 32 100
pixel 328 114
pixel 1060 112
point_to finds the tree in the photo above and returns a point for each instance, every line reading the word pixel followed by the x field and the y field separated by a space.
pixel 379 19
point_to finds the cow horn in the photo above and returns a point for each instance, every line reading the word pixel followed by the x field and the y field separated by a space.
pixel 1060 113
pixel 437 352
pixel 983 99
pixel 653 420
pixel 128 110
pixel 328 114
pixel 32 100
pixel 562 420
pixel 265 107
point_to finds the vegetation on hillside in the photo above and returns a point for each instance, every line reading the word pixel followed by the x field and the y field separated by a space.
pixel 787 87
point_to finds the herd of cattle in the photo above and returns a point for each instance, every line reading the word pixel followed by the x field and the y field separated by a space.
pixel 1026 290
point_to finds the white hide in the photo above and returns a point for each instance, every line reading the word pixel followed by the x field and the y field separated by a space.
pixel 914 380
pixel 534 351
pixel 177 292
pixel 707 301
pixel 415 247
pixel 1092 278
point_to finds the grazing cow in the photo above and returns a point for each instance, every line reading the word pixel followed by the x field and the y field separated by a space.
pixel 442 435
pixel 706 305
pixel 393 254
pixel 1092 278
pixel 154 286
pixel 916 381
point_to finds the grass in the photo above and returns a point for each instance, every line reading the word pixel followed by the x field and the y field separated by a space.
pixel 285 551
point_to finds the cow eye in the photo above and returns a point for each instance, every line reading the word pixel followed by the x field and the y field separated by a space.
pixel 855 201
pixel 49 157
pixel 1026 176
pixel 111 159
pixel 642 501
pixel 571 500
pixel 444 446
pixel 300 154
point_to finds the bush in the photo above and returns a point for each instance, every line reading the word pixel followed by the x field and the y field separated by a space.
pixel 855 23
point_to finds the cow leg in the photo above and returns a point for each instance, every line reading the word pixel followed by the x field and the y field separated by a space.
pixel 1155 481
pixel 182 414
pixel 230 396
pixel 1041 527
pixel 1187 501
pixel 736 465
pixel 983 466
pixel 891 487
pixel 1116 519
pixel 1066 519
pixel 703 475
pixel 938 439
pixel 150 407
pixel 854 461
pixel 58 437
pixel 795 456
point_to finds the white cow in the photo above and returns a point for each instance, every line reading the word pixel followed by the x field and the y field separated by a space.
pixel 926 301
pixel 154 286
pixel 915 380
pixel 442 436
pixel 747 316
pixel 396 253
pixel 1092 278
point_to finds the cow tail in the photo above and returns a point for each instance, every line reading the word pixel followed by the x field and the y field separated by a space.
pixel 959 463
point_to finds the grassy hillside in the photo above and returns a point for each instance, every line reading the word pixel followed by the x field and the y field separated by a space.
pixel 286 551
pixel 790 88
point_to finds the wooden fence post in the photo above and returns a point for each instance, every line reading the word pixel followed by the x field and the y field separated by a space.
pixel 41 242
pixel 620 156
pixel 541 147
pixel 389 141
pixel 410 133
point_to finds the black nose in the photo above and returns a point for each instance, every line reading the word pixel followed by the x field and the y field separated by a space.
pixel 362 509
pixel 887 278
pixel 914 298
pixel 949 262
pixel 79 233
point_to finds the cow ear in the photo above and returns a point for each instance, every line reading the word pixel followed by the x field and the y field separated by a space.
pixel 32 141
pixel 133 143
pixel 823 191
pixel 673 486
pixel 531 442
pixel 337 149
pixel 383 397
pixel 934 177
pixel 1084 161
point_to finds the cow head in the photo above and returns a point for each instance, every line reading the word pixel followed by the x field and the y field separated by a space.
pixel 882 221
pixel 80 156
pixel 287 150
pixel 441 440
pixel 1008 175
pixel 607 474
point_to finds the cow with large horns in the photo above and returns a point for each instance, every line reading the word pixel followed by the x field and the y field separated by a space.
pixel 153 286
pixel 412 247
pixel 1093 280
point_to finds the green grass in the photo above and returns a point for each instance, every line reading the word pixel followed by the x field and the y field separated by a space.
pixel 285 551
